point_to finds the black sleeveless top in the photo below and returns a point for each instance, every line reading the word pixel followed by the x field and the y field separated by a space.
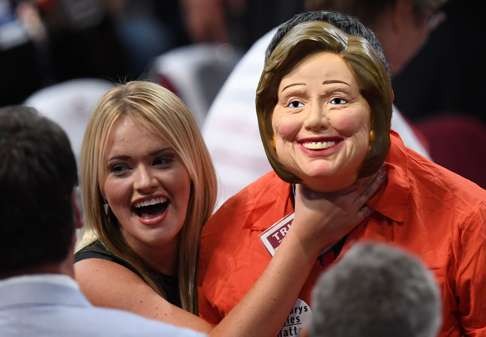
pixel 167 285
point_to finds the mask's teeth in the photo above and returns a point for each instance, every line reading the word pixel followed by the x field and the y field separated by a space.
pixel 318 145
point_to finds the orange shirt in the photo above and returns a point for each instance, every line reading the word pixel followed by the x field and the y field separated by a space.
pixel 424 208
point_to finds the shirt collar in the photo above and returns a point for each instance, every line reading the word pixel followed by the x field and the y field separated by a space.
pixel 273 201
pixel 394 200
pixel 58 279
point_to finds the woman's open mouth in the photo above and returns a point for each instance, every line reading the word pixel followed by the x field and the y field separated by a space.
pixel 151 209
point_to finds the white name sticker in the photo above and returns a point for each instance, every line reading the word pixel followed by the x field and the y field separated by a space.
pixel 273 236
pixel 298 317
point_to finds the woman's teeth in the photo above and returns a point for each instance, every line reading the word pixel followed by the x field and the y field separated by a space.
pixel 150 202
pixel 151 207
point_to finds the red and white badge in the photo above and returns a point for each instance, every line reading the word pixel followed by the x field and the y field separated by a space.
pixel 273 236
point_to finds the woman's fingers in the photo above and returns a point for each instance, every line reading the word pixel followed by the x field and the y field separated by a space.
pixel 367 190
pixel 351 198
pixel 323 218
pixel 363 213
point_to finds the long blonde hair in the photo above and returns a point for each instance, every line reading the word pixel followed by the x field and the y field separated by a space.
pixel 160 111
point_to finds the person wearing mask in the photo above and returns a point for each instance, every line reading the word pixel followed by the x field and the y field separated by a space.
pixel 324 105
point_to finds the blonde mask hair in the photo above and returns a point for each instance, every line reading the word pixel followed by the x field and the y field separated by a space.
pixel 374 83
pixel 161 112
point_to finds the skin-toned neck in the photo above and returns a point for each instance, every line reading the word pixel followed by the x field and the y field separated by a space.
pixel 161 258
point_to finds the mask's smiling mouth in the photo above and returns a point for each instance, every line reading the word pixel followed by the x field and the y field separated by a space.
pixel 151 207
pixel 319 143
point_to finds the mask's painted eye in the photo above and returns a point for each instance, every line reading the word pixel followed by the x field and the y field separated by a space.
pixel 295 104
pixel 338 100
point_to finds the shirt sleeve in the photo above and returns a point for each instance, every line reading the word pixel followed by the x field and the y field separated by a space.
pixel 206 309
pixel 208 273
pixel 471 273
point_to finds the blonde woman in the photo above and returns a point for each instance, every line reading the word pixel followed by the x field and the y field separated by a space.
pixel 148 186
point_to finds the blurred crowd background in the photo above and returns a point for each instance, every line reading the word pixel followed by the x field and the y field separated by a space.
pixel 47 42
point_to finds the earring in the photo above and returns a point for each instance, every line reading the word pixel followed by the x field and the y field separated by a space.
pixel 106 208
pixel 372 136
pixel 372 139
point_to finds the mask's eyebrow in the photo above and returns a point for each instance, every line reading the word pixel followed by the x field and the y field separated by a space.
pixel 291 85
pixel 336 81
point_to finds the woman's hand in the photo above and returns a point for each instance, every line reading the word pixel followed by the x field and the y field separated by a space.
pixel 322 219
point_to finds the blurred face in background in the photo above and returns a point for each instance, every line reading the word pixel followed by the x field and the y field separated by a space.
pixel 410 28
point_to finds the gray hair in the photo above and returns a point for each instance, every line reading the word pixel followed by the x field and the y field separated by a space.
pixel 376 291
pixel 368 12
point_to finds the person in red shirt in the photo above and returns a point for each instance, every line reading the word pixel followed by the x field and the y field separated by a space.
pixel 324 108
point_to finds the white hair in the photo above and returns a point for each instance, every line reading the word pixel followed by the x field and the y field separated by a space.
pixel 376 290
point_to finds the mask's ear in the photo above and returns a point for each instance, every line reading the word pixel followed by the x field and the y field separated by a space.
pixel 76 202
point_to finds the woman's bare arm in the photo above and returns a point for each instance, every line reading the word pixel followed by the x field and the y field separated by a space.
pixel 108 284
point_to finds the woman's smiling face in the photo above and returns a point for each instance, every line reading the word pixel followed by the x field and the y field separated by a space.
pixel 321 123
pixel 146 185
